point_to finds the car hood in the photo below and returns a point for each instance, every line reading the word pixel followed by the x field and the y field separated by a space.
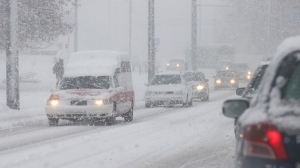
pixel 84 94
pixel 165 87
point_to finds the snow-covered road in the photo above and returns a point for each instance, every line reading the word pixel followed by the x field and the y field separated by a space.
pixel 198 136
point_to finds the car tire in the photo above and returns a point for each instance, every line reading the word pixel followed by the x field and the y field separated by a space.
pixel 205 98
pixel 53 122
pixel 190 102
pixel 186 103
pixel 128 117
pixel 148 104
pixel 112 119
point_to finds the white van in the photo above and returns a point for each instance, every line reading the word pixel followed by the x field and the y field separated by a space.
pixel 97 85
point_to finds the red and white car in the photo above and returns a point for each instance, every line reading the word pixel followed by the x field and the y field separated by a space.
pixel 97 85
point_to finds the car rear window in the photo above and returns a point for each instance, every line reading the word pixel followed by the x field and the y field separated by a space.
pixel 293 86
pixel 166 80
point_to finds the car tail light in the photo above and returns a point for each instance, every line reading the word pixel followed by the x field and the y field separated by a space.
pixel 264 140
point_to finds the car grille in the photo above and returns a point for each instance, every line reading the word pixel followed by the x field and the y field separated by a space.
pixel 76 115
pixel 163 92
pixel 78 103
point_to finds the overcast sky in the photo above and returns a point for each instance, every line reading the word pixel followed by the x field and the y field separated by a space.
pixel 103 24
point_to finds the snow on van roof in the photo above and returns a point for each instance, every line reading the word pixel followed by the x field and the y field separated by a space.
pixel 93 63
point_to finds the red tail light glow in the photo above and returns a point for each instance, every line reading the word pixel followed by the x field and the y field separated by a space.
pixel 264 140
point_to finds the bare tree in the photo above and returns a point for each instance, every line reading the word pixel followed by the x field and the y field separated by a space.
pixel 39 22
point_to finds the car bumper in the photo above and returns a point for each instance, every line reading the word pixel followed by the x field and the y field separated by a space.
pixel 166 100
pixel 79 112
pixel 197 94
pixel 250 162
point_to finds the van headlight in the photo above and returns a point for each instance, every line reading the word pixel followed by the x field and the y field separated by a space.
pixel 200 87
pixel 218 81
pixel 232 81
pixel 99 102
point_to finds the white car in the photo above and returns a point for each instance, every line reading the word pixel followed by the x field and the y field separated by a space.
pixel 168 88
pixel 97 85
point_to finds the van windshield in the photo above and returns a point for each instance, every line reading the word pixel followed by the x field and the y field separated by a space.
pixel 85 82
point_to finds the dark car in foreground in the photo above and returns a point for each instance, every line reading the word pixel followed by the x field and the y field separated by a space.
pixel 200 85
pixel 268 132
pixel 226 79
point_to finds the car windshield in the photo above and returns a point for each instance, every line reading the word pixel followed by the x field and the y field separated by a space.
pixel 166 80
pixel 194 77
pixel 85 82
pixel 226 74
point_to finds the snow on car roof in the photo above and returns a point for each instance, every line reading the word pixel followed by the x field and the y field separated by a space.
pixel 93 63
pixel 169 73
pixel 260 101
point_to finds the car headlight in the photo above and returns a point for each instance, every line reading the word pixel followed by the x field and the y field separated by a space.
pixel 177 65
pixel 227 68
pixel 168 64
pixel 200 87
pixel 248 77
pixel 218 81
pixel 54 102
pixel 249 73
pixel 179 92
pixel 232 81
pixel 99 102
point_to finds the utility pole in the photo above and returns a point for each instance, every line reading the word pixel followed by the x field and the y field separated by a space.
pixel 193 60
pixel 130 27
pixel 12 60
pixel 76 27
pixel 151 36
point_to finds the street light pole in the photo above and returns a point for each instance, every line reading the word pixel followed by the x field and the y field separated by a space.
pixel 12 60
pixel 76 27
pixel 193 60
pixel 151 35
pixel 130 27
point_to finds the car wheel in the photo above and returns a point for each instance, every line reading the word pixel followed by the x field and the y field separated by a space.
pixel 190 102
pixel 205 98
pixel 129 115
pixel 148 104
pixel 186 103
pixel 112 119
pixel 53 122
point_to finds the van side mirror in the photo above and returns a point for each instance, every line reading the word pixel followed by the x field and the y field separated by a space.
pixel 235 107
pixel 118 70
pixel 240 91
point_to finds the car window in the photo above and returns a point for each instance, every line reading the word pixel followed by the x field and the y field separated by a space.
pixel 166 80
pixel 258 78
pixel 85 82
pixel 293 86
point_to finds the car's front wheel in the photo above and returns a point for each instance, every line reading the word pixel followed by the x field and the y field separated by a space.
pixel 128 117
pixel 53 122
pixel 112 119
pixel 148 104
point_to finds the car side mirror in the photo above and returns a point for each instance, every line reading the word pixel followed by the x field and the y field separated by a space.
pixel 206 80
pixel 234 108
pixel 240 91
pixel 52 90
pixel 120 89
